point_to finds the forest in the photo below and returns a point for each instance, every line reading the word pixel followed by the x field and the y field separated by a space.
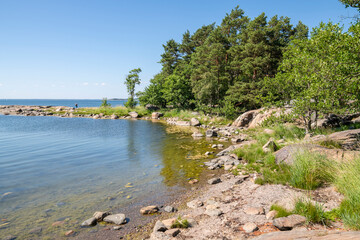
pixel 244 64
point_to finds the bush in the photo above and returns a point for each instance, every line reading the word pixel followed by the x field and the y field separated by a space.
pixel 310 170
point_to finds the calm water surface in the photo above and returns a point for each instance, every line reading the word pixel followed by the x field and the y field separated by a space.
pixel 63 169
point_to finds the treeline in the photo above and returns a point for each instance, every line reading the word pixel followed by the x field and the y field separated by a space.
pixel 244 64
pixel 222 67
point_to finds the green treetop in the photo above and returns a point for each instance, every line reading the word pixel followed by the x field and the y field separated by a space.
pixel 131 80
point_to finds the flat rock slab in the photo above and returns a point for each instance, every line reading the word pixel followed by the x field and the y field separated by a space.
pixel 117 219
pixel 288 223
pixel 310 235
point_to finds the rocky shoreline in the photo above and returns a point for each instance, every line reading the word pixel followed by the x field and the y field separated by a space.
pixel 229 206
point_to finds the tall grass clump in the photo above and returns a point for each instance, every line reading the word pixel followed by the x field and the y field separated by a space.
pixel 314 213
pixel 310 170
pixel 347 181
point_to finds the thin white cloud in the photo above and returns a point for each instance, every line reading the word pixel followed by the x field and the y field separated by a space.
pixel 1 84
pixel 103 84
pixel 85 83
pixel 96 84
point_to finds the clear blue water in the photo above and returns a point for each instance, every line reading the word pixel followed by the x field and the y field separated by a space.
pixel 60 102
pixel 67 168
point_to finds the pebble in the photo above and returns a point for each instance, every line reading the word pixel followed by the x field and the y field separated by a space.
pixel 214 180
pixel 250 227
pixel 69 233
pixel 195 204
pixel 169 209
pixel 271 215
pixel 254 211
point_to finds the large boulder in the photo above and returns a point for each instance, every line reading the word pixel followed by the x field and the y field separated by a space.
pixel 349 139
pixel 244 119
pixel 256 117
pixel 133 114
pixel 288 153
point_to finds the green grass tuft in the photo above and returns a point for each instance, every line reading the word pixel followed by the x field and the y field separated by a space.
pixel 313 213
pixel 281 211
pixel 180 223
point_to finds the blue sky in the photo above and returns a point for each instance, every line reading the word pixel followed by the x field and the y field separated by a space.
pixel 84 48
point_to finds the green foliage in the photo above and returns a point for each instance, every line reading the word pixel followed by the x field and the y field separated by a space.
pixel 351 3
pixel 313 213
pixel 180 223
pixel 310 170
pixel 281 211
pixel 321 74
pixel 104 103
pixel 222 66
pixel 347 180
pixel 131 80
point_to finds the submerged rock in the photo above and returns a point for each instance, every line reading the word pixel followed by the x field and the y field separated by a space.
pixel 117 219
pixel 89 222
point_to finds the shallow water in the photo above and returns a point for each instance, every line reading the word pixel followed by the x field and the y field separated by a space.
pixel 63 169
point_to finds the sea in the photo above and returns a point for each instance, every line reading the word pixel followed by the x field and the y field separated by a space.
pixel 56 172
